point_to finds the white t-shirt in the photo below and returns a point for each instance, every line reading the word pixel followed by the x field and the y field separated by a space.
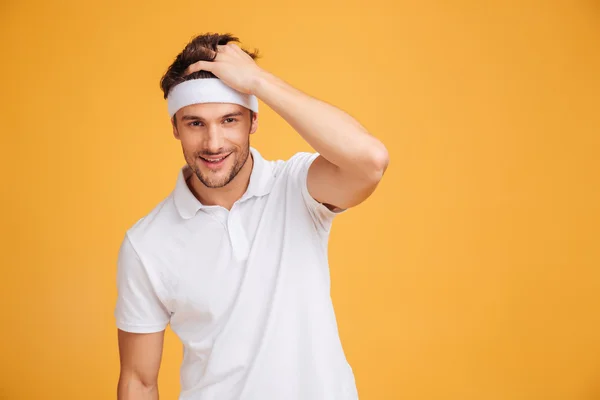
pixel 247 290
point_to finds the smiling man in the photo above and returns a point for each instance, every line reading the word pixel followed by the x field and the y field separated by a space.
pixel 235 258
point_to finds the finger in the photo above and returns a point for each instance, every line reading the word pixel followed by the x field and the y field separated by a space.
pixel 226 47
pixel 198 66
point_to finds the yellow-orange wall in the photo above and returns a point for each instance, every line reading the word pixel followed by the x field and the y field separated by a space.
pixel 472 273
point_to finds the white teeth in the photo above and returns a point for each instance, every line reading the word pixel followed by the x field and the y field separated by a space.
pixel 213 161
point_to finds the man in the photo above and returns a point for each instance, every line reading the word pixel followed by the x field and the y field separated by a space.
pixel 235 258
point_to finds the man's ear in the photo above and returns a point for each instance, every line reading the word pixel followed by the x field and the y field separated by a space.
pixel 254 123
pixel 174 125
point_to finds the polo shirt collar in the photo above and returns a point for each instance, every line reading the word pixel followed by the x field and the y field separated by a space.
pixel 261 182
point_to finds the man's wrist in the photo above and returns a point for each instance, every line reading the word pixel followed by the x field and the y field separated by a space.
pixel 261 80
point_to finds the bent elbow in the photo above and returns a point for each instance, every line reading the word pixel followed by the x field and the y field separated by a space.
pixel 380 159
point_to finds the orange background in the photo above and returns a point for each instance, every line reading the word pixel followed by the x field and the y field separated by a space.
pixel 473 271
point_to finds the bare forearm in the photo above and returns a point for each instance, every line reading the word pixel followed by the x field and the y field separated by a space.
pixel 337 136
pixel 134 389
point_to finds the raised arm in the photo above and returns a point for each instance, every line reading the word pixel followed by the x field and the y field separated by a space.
pixel 351 161
pixel 140 355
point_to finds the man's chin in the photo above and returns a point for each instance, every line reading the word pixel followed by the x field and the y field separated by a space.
pixel 212 180
pixel 216 176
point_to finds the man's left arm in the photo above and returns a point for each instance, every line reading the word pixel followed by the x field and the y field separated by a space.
pixel 351 161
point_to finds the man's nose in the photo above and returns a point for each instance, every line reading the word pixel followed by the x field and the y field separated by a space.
pixel 214 140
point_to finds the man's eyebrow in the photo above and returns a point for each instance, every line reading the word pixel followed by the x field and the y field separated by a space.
pixel 190 117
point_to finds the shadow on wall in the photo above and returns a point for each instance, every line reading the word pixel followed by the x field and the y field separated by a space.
pixel 594 392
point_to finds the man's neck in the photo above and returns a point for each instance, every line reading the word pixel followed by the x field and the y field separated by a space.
pixel 227 195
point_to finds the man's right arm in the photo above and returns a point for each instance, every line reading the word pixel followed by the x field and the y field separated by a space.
pixel 140 356
pixel 141 318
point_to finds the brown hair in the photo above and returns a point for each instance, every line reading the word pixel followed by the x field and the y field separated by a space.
pixel 196 50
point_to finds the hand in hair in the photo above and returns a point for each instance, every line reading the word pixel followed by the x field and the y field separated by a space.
pixel 233 66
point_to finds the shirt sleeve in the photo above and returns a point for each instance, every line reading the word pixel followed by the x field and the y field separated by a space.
pixel 321 214
pixel 138 308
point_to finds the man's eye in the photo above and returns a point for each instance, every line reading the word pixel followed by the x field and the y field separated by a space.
pixel 195 123
pixel 230 119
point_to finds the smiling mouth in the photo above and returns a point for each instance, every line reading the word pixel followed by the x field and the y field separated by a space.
pixel 215 160
pixel 214 163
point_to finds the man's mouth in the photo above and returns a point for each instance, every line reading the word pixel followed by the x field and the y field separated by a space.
pixel 213 161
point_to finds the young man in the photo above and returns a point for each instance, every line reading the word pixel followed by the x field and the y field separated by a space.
pixel 235 258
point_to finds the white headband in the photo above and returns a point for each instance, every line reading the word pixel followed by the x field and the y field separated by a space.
pixel 209 90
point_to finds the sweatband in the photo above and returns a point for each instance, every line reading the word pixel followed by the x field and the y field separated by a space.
pixel 209 90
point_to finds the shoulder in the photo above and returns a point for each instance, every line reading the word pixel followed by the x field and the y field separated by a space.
pixel 296 165
pixel 148 230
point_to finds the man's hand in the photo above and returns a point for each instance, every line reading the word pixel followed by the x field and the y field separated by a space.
pixel 233 66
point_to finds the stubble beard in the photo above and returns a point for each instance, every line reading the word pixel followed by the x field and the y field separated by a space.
pixel 214 182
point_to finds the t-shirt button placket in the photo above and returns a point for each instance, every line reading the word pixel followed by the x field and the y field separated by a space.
pixel 239 241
